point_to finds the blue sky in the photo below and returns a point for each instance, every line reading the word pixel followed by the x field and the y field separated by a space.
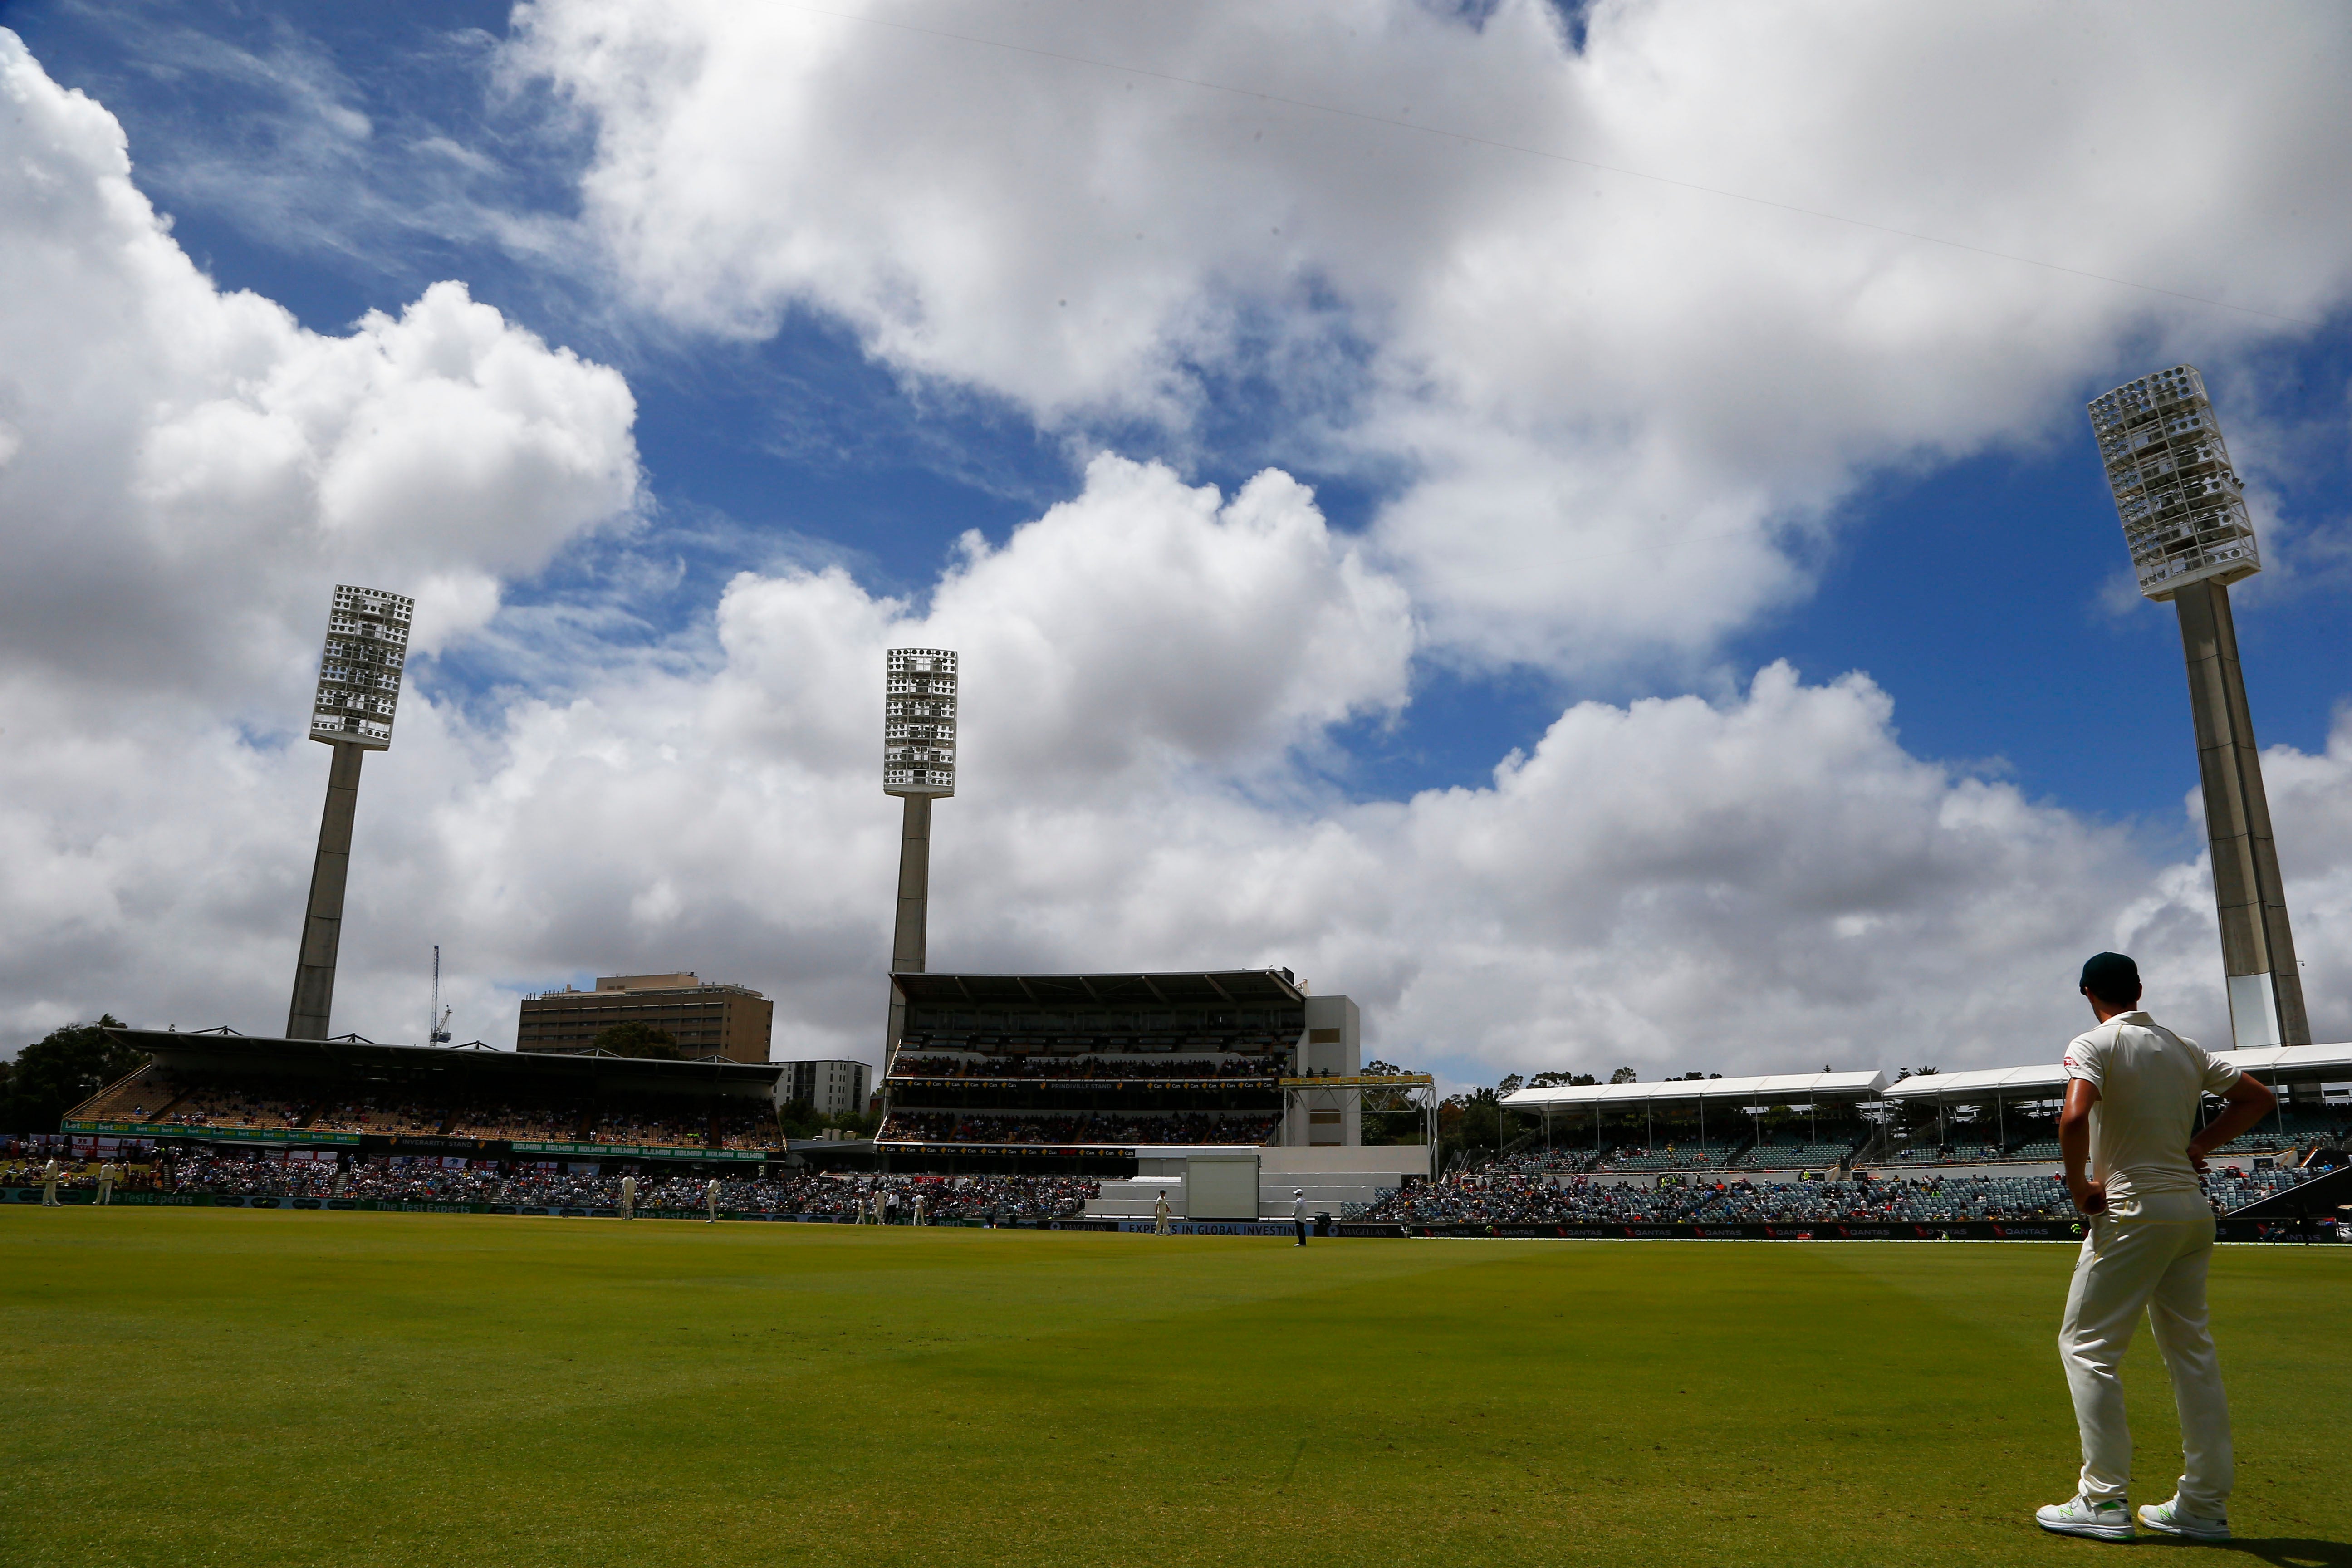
pixel 1979 579
pixel 799 445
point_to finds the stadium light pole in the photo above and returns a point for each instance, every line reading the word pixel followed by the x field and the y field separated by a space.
pixel 359 690
pixel 918 754
pixel 2184 516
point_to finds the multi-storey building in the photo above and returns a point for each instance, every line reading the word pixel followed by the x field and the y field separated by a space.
pixel 706 1017
pixel 834 1087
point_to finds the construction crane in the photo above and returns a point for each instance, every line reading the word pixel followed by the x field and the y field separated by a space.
pixel 437 1034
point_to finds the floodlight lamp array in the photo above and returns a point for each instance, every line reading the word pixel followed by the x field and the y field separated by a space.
pixel 358 673
pixel 2183 507
pixel 919 722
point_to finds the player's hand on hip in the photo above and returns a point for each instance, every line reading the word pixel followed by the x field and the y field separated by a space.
pixel 2090 1197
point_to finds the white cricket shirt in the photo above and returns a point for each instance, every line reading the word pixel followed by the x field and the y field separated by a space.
pixel 2148 1080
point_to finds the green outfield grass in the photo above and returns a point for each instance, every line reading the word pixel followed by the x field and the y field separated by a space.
pixel 243 1387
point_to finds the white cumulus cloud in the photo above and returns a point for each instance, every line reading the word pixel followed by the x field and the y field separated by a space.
pixel 1611 397
pixel 190 471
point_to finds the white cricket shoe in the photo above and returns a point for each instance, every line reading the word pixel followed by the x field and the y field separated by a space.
pixel 2171 1519
pixel 2101 1521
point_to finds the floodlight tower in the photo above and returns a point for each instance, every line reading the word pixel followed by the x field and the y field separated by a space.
pixel 918 751
pixel 359 688
pixel 2184 517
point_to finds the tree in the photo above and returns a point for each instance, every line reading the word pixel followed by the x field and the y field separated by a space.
pixel 635 1039
pixel 1469 1122
pixel 1388 1114
pixel 1622 1075
pixel 60 1070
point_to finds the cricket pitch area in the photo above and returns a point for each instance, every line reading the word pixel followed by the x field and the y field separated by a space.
pixel 251 1388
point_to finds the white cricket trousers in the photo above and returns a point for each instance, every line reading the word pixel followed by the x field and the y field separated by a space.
pixel 2157 1264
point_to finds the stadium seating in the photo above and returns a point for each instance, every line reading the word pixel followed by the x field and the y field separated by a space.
pixel 1532 1161
pixel 545 1123
pixel 387 1115
pixel 1018 1128
pixel 1040 1065
pixel 1922 1152
pixel 145 1096
pixel 677 1129
pixel 1488 1199
pixel 221 1105
pixel 2231 1190
pixel 1797 1156
pixel 752 1128
pixel 954 1197
pixel 2265 1142
pixel 1685 1156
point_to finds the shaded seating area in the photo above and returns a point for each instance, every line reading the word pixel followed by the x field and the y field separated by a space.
pixel 1674 1157
pixel 148 1095
pixel 354 1090
pixel 1787 1156
pixel 1798 1121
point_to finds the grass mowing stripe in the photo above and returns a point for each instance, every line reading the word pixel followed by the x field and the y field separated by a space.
pixel 260 1388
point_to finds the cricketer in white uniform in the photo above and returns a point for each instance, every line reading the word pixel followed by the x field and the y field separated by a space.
pixel 1159 1217
pixel 49 1186
pixel 628 1197
pixel 2129 1136
pixel 106 1181
pixel 711 1200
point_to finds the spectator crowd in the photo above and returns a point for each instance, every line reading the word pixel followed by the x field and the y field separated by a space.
pixel 1223 1065
pixel 981 1197
pixel 1515 1198
pixel 947 1127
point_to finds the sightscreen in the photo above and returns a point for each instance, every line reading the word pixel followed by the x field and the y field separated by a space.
pixel 1220 1186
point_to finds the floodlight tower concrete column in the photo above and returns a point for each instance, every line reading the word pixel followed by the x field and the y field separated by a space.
pixel 2185 519
pixel 919 752
pixel 359 691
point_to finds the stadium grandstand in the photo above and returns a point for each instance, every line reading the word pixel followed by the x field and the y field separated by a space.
pixel 1850 1148
pixel 1787 1122
pixel 1088 1098
pixel 1090 1068
pixel 351 1095
pixel 1785 1128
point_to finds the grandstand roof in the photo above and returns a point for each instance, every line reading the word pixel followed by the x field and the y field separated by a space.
pixel 475 1065
pixel 2293 1064
pixel 1772 1089
pixel 1985 1083
pixel 2272 1064
pixel 1260 987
